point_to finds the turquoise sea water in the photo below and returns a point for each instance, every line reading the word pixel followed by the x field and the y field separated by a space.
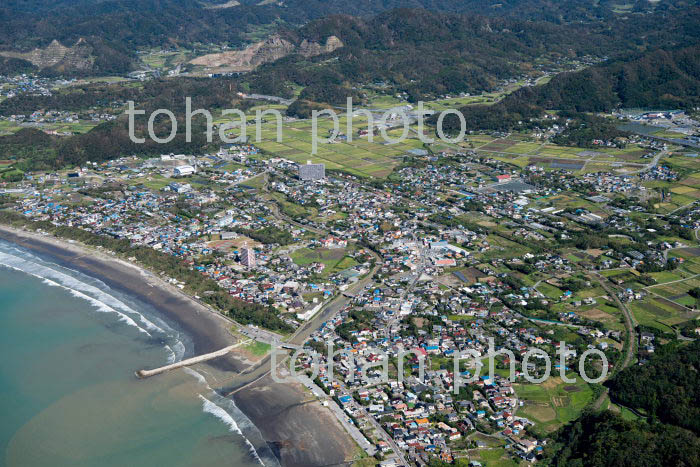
pixel 69 347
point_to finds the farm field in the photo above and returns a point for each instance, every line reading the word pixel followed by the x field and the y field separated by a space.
pixel 607 315
pixel 358 157
pixel 379 158
pixel 550 291
pixel 491 457
pixel 7 127
pixel 522 151
pixel 660 313
pixel 554 402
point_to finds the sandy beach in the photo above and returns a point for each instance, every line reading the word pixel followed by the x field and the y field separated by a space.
pixel 296 427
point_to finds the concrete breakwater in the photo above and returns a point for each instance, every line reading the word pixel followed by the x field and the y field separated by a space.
pixel 189 361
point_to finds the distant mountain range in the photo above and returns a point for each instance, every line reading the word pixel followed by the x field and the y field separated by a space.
pixel 27 24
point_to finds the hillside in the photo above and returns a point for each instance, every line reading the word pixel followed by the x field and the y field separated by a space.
pixel 86 57
pixel 661 78
pixel 668 387
pixel 605 439
pixel 102 36
pixel 36 23
pixel 426 53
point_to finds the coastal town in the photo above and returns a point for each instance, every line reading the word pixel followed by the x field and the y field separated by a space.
pixel 459 250
pixel 397 233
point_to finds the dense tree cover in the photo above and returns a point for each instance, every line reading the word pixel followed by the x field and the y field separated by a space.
pixel 13 66
pixel 688 328
pixel 35 150
pixel 606 439
pixel 159 262
pixel 582 129
pixel 301 108
pixel 426 53
pixel 168 94
pixel 331 94
pixel 667 387
pixel 115 28
pixel 27 145
pixel 29 23
pixel 661 78
pixel 89 56
pixel 502 116
pixel 107 141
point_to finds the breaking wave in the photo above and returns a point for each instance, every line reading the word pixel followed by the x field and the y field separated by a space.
pixel 210 407
pixel 78 286
pixel 92 291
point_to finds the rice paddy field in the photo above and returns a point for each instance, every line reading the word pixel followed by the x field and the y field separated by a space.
pixel 668 302
pixel 359 157
pixel 378 158
pixel 522 150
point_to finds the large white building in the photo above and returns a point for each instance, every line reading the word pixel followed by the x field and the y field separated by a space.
pixel 184 170
pixel 311 172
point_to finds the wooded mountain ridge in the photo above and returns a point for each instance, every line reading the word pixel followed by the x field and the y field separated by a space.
pixel 118 27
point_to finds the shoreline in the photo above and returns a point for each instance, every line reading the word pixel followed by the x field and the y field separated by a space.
pixel 299 431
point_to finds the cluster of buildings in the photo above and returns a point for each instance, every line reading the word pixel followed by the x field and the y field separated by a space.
pixel 459 253
pixel 11 86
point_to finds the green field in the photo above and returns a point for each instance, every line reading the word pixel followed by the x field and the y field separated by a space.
pixel 291 209
pixel 358 157
pixel 550 291
pixel 258 349
pixel 554 402
pixel 335 259
pixel 490 457
pixel 659 313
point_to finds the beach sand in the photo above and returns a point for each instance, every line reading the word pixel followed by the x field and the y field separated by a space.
pixel 298 429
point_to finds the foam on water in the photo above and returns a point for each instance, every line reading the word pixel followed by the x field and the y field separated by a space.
pixel 99 300
pixel 79 286
pixel 210 407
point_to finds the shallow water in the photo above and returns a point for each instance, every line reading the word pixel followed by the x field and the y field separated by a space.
pixel 68 394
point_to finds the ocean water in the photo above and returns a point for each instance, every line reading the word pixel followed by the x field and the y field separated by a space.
pixel 69 347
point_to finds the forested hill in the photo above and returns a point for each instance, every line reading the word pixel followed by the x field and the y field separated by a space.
pixel 661 78
pixel 667 387
pixel 656 79
pixel 112 30
pixel 426 53
pixel 26 24
pixel 605 439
